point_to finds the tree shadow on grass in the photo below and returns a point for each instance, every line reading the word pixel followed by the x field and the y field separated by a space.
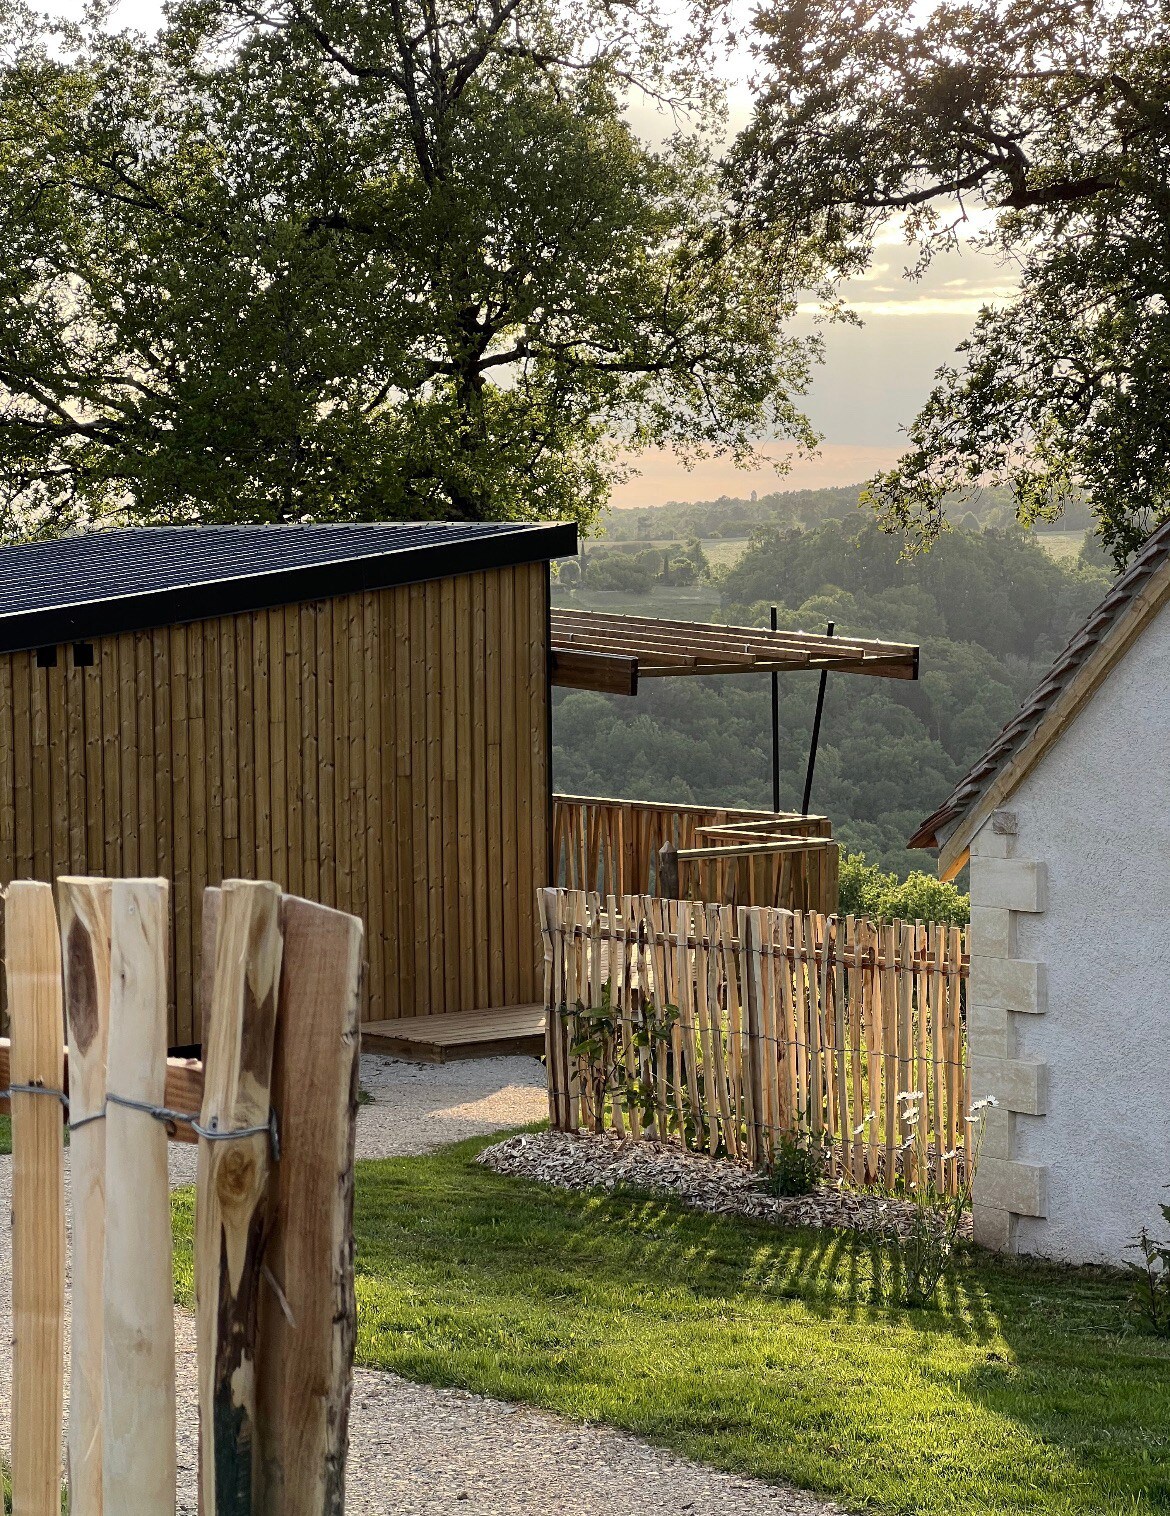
pixel 849 1274
pixel 1078 1375
pixel 781 1351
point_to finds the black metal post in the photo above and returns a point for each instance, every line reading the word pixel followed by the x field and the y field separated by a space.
pixel 816 731
pixel 775 732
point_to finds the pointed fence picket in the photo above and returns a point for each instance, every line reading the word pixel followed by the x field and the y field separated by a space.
pixel 276 1312
pixel 727 1029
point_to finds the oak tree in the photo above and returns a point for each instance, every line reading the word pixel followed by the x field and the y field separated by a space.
pixel 321 258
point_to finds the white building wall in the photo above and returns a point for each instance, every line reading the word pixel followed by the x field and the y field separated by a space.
pixel 1070 998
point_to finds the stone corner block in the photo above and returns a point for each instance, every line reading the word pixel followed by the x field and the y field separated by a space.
pixel 988 843
pixel 992 932
pixel 998 1134
pixel 1014 884
pixel 993 1229
pixel 1007 1185
pixel 1010 983
pixel 990 1033
pixel 1018 1084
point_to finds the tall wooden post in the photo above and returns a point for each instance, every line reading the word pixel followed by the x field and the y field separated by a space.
pixel 308 1310
pixel 138 1370
pixel 85 949
pixel 232 1186
pixel 33 967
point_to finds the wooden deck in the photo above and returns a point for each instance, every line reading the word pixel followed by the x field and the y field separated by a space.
pixel 459 1034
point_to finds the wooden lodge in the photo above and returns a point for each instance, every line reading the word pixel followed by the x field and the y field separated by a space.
pixel 359 712
pixel 363 714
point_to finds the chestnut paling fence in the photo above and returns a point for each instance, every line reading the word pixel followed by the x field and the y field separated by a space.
pixel 725 1029
pixel 272 1108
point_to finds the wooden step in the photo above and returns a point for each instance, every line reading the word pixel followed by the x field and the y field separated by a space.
pixel 458 1034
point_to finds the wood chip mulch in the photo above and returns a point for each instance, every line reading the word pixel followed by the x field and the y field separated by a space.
pixel 719 1186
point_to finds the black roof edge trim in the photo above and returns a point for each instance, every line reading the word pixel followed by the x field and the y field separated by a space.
pixel 292 586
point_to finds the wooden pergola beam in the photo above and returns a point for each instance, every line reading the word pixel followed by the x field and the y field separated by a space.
pixel 610 672
pixel 600 651
pixel 592 621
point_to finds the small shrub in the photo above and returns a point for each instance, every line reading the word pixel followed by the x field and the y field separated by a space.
pixel 926 1252
pixel 1150 1297
pixel 865 890
pixel 599 1044
pixel 798 1163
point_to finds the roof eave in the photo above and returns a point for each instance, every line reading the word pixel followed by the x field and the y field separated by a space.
pixel 1127 609
pixel 109 616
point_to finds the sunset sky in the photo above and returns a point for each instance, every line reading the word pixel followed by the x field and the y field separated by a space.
pixel 874 377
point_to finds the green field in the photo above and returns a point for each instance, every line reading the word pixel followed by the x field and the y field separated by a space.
pixel 764 1351
pixel 693 603
pixel 1063 547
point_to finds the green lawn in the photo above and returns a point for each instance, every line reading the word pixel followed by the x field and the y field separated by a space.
pixel 759 1350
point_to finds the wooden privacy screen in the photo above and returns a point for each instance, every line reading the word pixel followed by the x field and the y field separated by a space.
pixel 748 857
pixel 274 1221
pixel 725 1030
pixel 384 753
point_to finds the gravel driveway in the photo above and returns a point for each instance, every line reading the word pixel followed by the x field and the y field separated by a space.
pixel 414 1449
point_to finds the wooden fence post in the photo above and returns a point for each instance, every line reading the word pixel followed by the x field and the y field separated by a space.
pixel 33 966
pixel 85 951
pixel 308 1311
pixel 138 1370
pixel 668 871
pixel 554 1058
pixel 232 1183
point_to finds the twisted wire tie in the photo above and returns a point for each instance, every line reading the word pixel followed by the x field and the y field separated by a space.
pixel 210 1133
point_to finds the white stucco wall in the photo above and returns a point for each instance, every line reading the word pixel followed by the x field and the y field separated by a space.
pixel 1096 811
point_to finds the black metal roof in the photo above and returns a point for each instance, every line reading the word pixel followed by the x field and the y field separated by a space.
pixel 98 583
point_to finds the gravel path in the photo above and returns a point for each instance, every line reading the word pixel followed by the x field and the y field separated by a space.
pixel 414 1449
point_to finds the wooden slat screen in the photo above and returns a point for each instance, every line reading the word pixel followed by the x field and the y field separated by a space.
pixel 613 846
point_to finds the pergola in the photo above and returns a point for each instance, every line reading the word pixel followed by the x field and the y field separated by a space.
pixel 592 650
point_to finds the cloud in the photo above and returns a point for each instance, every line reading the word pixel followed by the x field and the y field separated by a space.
pixel 969 303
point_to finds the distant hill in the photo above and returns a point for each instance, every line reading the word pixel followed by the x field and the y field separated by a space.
pixel 736 517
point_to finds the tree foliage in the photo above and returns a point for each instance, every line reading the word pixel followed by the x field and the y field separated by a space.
pixel 1038 131
pixel 409 259
pixel 867 890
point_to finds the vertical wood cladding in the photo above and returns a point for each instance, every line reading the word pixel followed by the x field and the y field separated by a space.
pixel 381 752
